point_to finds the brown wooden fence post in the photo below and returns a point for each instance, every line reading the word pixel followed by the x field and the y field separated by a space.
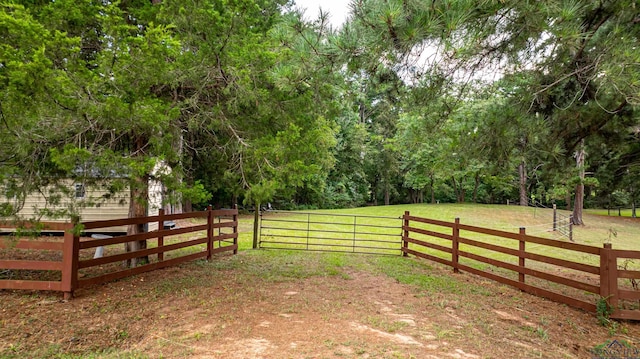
pixel 160 238
pixel 70 252
pixel 235 228
pixel 613 279
pixel 209 232
pixel 405 234
pixel 521 254
pixel 455 246
pixel 571 227
pixel 609 276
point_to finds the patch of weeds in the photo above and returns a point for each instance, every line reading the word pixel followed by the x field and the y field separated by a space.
pixel 359 348
pixel 445 303
pixel 413 272
pixel 56 351
pixel 389 327
pixel 291 309
pixel 484 326
pixel 613 328
pixel 336 260
pixel 482 291
pixel 539 332
pixel 122 335
pixel 575 327
pixel 603 311
pixel 12 351
pixel 442 333
pixel 544 321
pixel 279 266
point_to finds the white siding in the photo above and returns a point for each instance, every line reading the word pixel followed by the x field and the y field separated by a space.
pixel 116 207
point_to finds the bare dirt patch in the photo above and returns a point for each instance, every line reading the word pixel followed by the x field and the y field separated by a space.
pixel 271 306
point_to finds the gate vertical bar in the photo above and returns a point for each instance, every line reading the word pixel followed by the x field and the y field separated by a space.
pixel 405 234
pixel 257 233
pixel 308 228
pixel 355 221
pixel 571 227
pixel 235 228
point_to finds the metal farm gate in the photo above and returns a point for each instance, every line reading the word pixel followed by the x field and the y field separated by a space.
pixel 327 232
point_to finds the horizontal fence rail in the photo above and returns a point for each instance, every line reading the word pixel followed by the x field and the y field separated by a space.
pixel 89 261
pixel 327 232
pixel 532 264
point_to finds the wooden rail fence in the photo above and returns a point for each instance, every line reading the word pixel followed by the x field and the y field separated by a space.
pixel 525 262
pixel 78 269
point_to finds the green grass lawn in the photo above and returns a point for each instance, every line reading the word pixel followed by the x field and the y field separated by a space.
pixel 622 232
pixel 537 221
pixel 614 212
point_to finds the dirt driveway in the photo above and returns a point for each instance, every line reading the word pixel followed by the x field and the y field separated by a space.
pixel 257 305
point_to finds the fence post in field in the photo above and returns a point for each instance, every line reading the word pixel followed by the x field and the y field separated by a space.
pixel 555 219
pixel 257 220
pixel 70 252
pixel 521 253
pixel 209 232
pixel 455 246
pixel 405 233
pixel 608 276
pixel 235 228
pixel 160 238
pixel 571 227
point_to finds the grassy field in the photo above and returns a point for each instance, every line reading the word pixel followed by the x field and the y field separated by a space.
pixel 622 232
pixel 613 212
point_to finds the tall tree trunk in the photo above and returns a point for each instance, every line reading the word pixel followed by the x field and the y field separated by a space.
pixel 386 193
pixel 568 200
pixel 187 206
pixel 522 172
pixel 458 187
pixel 455 188
pixel 138 200
pixel 578 203
pixel 475 188
pixel 433 190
